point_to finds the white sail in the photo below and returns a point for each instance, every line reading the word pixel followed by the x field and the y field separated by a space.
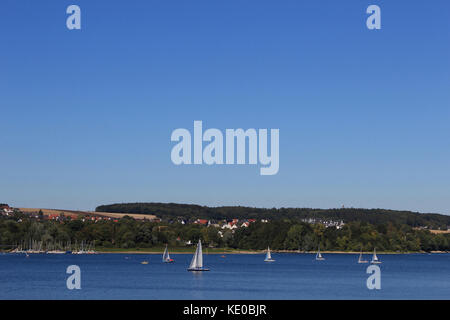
pixel 200 255
pixel 319 255
pixel 268 255
pixel 197 259
pixel 194 260
pixel 166 256
pixel 374 258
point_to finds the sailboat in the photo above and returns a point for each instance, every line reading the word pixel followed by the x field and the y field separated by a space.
pixel 166 257
pixel 268 256
pixel 375 258
pixel 360 259
pixel 144 262
pixel 319 255
pixel 197 259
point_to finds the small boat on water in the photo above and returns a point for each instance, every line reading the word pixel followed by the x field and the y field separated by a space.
pixel 166 257
pixel 268 256
pixel 56 252
pixel 360 259
pixel 375 259
pixel 319 255
pixel 197 259
pixel 142 262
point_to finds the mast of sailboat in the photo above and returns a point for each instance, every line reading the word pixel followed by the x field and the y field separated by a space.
pixel 360 259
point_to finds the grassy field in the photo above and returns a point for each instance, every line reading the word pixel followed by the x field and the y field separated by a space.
pixel 74 213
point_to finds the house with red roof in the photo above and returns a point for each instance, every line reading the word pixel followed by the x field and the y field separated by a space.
pixel 202 222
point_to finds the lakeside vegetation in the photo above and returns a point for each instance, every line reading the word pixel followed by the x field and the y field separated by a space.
pixel 128 234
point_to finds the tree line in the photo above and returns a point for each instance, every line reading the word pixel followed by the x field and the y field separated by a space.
pixel 281 234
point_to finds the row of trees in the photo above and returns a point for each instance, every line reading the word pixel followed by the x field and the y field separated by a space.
pixel 279 234
pixel 354 236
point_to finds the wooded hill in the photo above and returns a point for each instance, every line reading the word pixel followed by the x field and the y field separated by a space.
pixel 189 212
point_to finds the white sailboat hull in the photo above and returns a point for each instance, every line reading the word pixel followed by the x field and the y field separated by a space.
pixel 197 269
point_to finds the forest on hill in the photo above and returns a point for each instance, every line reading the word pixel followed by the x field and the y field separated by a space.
pixel 189 212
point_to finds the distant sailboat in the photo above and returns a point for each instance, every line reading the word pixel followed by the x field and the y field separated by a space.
pixel 268 256
pixel 145 262
pixel 319 255
pixel 361 260
pixel 197 259
pixel 375 259
pixel 166 257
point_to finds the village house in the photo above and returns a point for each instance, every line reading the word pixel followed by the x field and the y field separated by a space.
pixel 203 222
pixel 247 223
pixel 327 223
pixel 6 209
pixel 53 217
pixel 231 224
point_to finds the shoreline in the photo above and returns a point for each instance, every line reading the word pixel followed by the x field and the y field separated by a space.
pixel 262 252
pixel 223 252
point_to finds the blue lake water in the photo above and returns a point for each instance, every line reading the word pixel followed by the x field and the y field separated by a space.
pixel 291 276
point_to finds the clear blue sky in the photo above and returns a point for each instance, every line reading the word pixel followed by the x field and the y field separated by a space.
pixel 364 116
